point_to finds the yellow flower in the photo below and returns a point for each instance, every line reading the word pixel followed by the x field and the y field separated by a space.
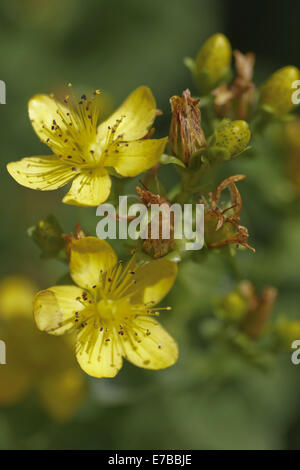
pixel 112 310
pixel 85 153
pixel 49 365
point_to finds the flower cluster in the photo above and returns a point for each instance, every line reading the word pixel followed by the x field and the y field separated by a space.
pixel 111 307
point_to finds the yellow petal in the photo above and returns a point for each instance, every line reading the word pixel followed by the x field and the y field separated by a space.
pixel 54 309
pixel 132 158
pixel 90 256
pixel 137 114
pixel 100 355
pixel 151 346
pixel 42 111
pixel 89 188
pixel 154 280
pixel 63 393
pixel 44 173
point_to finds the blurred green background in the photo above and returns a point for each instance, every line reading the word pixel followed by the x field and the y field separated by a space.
pixel 207 400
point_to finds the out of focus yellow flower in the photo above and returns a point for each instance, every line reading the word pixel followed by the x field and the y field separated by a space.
pixel 85 153
pixel 276 92
pixel 16 295
pixel 112 310
pixel 48 366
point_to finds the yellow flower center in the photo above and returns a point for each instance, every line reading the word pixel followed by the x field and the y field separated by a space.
pixel 109 311
pixel 73 135
pixel 108 302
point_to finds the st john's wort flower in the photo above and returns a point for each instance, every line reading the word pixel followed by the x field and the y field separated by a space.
pixel 112 309
pixel 85 152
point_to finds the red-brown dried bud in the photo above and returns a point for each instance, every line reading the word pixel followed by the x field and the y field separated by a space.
pixel 236 100
pixel 222 226
pixel 259 308
pixel 70 237
pixel 158 247
pixel 250 310
pixel 186 134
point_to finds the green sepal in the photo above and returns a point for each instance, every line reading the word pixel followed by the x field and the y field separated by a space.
pixel 47 235
pixel 65 280
pixel 190 64
pixel 270 114
pixel 112 172
pixel 205 82
pixel 217 154
pixel 173 256
pixel 166 159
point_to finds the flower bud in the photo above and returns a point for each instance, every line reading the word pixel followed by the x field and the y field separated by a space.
pixel 232 307
pixel 232 136
pixel 157 247
pixel 287 331
pixel 276 92
pixel 260 309
pixel 291 144
pixel 47 234
pixel 213 62
pixel 186 134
